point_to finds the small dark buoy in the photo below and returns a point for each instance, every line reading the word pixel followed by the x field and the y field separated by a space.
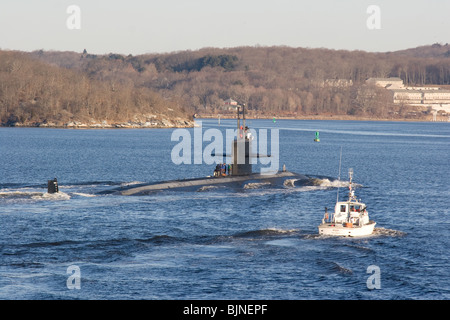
pixel 52 186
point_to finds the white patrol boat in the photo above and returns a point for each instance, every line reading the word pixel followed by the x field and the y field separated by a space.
pixel 350 218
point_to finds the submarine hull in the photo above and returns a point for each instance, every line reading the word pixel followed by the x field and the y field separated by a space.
pixel 276 179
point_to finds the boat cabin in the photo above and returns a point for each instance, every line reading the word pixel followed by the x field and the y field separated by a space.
pixel 345 211
pixel 345 207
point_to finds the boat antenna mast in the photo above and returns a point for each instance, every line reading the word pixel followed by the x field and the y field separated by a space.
pixel 339 176
pixel 351 193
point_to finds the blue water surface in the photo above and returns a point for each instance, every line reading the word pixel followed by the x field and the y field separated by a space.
pixel 253 243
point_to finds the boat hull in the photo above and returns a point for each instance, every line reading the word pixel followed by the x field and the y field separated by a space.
pixel 332 229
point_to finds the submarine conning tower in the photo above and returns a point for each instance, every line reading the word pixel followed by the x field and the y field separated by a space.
pixel 241 159
pixel 242 148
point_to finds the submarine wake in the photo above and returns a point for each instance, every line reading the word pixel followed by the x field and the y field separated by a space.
pixel 20 195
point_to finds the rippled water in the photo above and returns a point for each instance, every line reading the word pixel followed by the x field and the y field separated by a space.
pixel 254 243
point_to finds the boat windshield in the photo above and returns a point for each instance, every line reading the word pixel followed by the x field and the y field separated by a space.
pixel 355 208
pixel 350 207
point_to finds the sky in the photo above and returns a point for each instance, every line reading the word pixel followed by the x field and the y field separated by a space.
pixel 156 26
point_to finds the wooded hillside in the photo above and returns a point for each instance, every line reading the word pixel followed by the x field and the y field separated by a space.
pixel 271 81
pixel 33 92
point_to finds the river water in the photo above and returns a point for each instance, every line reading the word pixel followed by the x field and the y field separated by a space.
pixel 257 242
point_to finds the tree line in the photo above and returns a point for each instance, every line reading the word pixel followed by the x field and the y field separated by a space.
pixel 33 92
pixel 269 80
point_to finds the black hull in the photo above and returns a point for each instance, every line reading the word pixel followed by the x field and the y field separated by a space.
pixel 236 182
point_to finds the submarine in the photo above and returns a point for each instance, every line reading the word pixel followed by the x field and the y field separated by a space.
pixel 240 171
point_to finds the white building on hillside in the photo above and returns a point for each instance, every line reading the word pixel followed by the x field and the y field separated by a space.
pixel 437 98
pixel 230 102
pixel 387 83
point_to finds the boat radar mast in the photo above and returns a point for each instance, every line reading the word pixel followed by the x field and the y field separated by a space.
pixel 351 192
